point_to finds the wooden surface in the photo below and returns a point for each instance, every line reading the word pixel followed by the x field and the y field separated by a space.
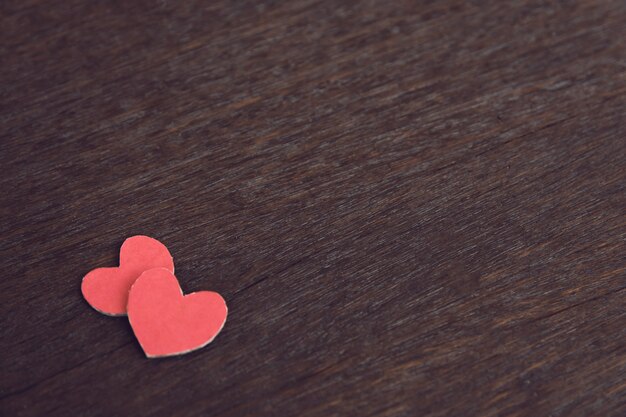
pixel 412 208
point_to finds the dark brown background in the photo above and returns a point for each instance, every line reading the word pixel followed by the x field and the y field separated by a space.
pixel 412 208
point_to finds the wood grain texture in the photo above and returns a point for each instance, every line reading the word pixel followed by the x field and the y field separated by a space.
pixel 411 208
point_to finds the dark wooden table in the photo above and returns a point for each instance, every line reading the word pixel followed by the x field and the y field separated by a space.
pixel 412 207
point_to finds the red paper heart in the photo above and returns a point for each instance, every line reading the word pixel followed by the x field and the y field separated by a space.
pixel 166 322
pixel 106 289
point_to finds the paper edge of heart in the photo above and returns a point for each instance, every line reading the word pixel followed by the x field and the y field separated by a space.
pixel 183 352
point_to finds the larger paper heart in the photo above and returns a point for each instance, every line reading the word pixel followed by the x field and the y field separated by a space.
pixel 106 289
pixel 166 322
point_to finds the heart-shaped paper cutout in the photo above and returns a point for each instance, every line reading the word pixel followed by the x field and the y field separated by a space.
pixel 106 289
pixel 166 322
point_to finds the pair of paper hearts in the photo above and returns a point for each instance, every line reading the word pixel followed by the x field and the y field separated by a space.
pixel 144 287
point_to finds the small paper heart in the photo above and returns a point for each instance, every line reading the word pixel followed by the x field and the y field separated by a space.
pixel 168 323
pixel 106 289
